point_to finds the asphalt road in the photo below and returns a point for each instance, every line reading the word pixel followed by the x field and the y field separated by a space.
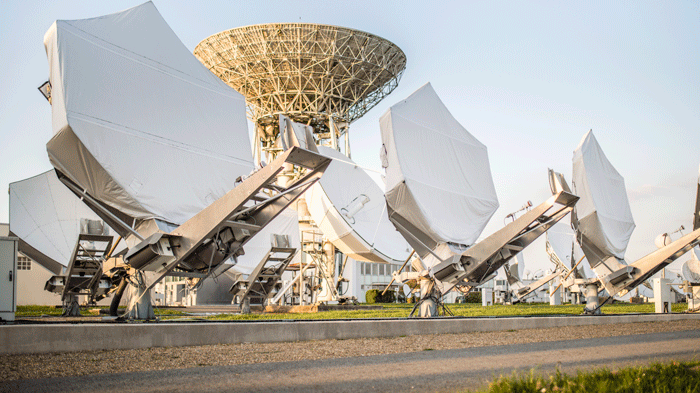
pixel 446 370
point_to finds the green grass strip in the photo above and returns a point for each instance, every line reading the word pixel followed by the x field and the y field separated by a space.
pixel 393 310
pixel 674 377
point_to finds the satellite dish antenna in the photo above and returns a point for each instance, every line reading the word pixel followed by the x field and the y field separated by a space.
pixel 158 147
pixel 46 216
pixel 691 268
pixel 349 208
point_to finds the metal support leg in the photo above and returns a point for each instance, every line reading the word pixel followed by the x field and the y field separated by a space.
pixel 592 305
pixel 71 308
pixel 428 307
pixel 245 305
pixel 140 301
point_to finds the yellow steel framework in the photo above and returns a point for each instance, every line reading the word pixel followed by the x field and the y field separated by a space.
pixel 320 75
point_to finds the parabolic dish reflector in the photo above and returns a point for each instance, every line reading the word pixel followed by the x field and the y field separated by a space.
pixel 138 121
pixel 691 268
pixel 561 238
pixel 349 208
pixel 438 177
pixel 307 71
pixel 603 210
pixel 563 242
pixel 46 216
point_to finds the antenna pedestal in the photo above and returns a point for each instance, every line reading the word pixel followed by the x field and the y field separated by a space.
pixel 592 303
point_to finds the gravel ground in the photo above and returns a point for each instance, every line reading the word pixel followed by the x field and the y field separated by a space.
pixel 14 367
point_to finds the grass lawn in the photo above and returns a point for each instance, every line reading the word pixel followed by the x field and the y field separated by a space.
pixel 392 311
pixel 461 309
pixel 677 377
pixel 38 311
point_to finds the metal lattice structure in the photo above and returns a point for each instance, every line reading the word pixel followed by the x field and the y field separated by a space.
pixel 320 75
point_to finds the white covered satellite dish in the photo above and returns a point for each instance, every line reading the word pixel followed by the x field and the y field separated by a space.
pixel 562 240
pixel 603 209
pixel 47 216
pixel 349 208
pixel 516 267
pixel 138 121
pixel 691 268
pixel 438 177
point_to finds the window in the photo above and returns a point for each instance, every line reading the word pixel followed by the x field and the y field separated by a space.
pixel 374 269
pixel 381 270
pixel 24 263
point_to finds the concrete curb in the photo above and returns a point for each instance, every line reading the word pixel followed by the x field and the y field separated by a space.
pixel 44 338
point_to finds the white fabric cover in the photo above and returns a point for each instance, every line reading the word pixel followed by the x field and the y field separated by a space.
pixel 438 175
pixel 368 235
pixel 138 121
pixel 603 209
pixel 561 238
pixel 46 215
pixel 286 223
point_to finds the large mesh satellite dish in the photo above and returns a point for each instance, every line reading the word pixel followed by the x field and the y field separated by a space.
pixel 349 207
pixel 315 74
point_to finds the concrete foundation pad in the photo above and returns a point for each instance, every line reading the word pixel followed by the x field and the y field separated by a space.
pixel 60 337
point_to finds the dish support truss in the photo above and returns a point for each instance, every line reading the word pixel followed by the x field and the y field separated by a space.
pixel 264 281
pixel 198 248
pixel 616 276
pixel 480 262
pixel 83 276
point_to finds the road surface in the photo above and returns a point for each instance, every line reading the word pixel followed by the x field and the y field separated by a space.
pixel 428 370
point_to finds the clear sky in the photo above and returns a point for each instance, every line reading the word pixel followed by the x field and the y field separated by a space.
pixel 528 79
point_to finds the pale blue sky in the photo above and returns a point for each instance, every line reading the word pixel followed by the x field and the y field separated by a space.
pixel 528 79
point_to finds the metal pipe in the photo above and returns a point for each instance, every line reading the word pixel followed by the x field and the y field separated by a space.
pixel 399 271
pixel 569 273
pixel 102 209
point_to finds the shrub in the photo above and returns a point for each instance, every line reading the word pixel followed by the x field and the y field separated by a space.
pixel 371 296
pixel 472 297
pixel 375 296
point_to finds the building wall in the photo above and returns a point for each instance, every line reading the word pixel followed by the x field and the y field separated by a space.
pixel 31 278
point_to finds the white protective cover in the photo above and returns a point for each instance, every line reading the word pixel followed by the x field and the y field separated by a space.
pixel 438 175
pixel 46 215
pixel 561 238
pixel 138 121
pixel 603 209
pixel 691 270
pixel 286 223
pixel 367 235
